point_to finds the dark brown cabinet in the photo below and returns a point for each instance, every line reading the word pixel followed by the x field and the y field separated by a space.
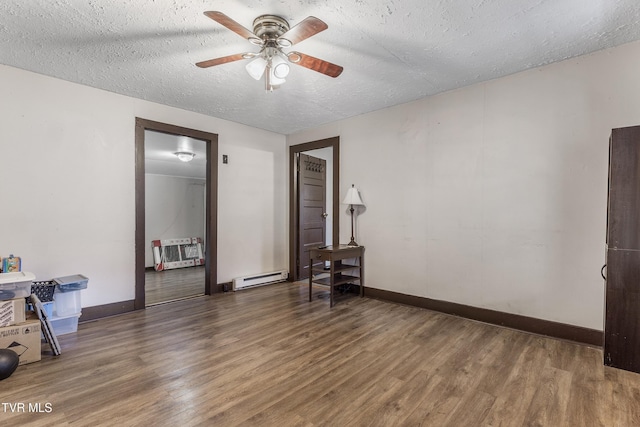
pixel 622 297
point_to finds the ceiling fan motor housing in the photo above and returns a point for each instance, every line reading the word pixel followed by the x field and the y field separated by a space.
pixel 270 27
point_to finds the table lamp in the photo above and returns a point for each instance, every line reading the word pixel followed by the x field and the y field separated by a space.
pixel 352 199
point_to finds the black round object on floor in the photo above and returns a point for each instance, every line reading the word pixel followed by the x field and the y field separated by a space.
pixel 9 361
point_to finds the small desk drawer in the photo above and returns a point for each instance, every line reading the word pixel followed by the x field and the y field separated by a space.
pixel 321 256
pixel 330 254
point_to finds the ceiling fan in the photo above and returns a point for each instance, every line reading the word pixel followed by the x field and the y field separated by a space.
pixel 272 33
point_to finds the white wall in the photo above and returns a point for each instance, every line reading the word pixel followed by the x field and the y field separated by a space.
pixel 252 219
pixel 493 195
pixel 67 174
pixel 174 208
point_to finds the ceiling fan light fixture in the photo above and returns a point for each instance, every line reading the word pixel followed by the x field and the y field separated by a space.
pixel 274 80
pixel 273 33
pixel 279 66
pixel 256 67
pixel 185 156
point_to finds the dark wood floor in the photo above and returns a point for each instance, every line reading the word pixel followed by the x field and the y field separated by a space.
pixel 172 285
pixel 268 357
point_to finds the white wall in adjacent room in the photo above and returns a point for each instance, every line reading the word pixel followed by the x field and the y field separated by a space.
pixel 174 208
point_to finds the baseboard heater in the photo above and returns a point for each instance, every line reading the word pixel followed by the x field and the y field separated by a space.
pixel 259 279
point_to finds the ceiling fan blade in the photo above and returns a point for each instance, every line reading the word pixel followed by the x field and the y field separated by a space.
pixel 315 64
pixel 223 60
pixel 223 19
pixel 306 28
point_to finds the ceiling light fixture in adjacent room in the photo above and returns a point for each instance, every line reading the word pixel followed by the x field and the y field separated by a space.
pixel 184 150
pixel 185 156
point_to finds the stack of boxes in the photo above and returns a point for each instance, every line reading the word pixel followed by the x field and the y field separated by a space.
pixel 61 301
pixel 20 328
pixel 18 331
pixel 67 306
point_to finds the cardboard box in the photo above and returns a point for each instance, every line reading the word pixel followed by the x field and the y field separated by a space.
pixel 12 312
pixel 24 339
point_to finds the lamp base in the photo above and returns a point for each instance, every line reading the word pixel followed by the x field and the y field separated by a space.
pixel 353 239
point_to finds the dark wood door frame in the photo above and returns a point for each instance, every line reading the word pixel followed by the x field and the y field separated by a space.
pixel 334 143
pixel 211 231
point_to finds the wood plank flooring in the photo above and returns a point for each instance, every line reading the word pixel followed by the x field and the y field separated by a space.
pixel 268 357
pixel 172 285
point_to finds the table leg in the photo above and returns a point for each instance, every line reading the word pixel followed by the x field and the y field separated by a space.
pixel 361 276
pixel 332 272
pixel 310 275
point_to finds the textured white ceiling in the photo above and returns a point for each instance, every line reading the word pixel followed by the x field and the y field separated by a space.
pixel 392 51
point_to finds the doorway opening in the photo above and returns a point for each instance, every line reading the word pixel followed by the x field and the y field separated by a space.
pixel 330 149
pixel 144 128
pixel 174 217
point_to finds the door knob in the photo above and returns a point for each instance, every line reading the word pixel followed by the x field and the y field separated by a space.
pixel 324 215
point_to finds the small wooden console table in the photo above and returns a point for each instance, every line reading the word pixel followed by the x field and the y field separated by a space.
pixel 340 272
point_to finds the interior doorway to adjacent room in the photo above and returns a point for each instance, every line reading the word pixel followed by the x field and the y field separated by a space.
pixel 315 155
pixel 166 172
pixel 175 212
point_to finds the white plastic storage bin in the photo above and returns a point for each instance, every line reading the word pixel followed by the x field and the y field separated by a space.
pixel 65 325
pixel 66 304
pixel 15 285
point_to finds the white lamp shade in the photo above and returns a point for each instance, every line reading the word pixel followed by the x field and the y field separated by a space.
pixel 352 197
pixel 273 79
pixel 256 67
pixel 280 67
